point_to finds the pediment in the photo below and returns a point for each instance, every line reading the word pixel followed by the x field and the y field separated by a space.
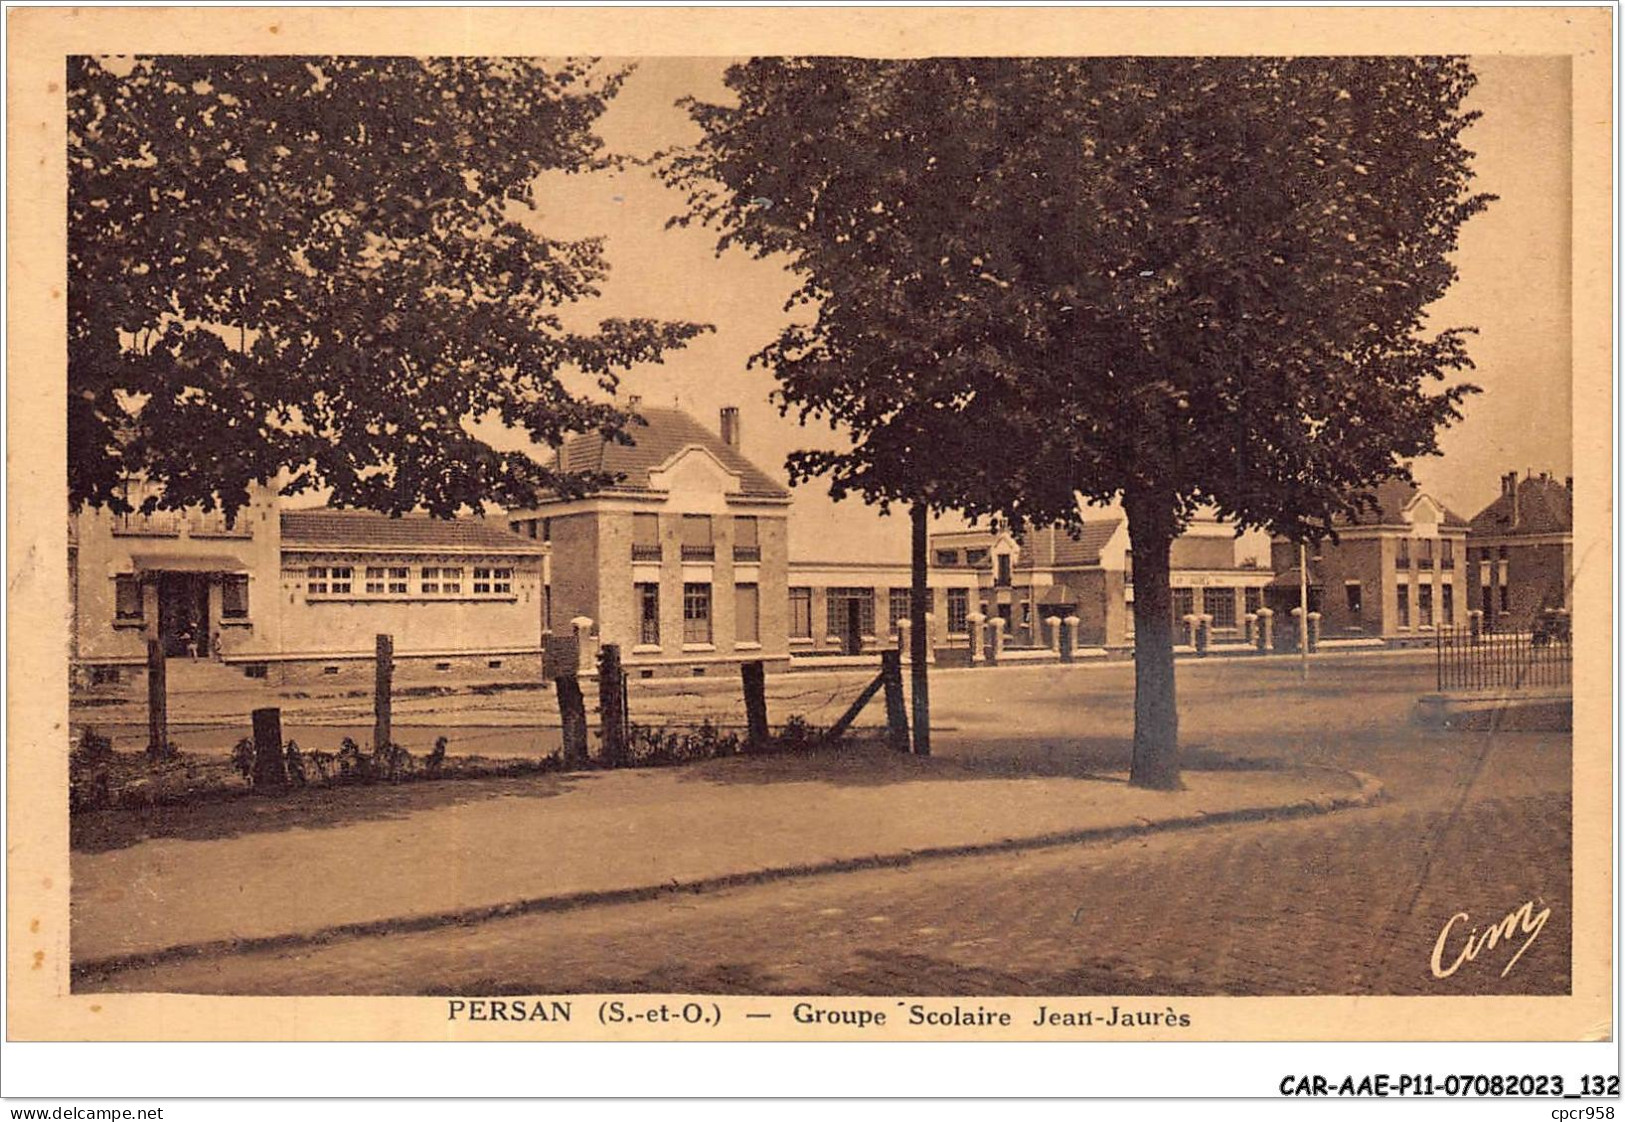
pixel 694 470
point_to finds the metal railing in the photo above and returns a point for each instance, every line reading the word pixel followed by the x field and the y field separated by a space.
pixel 646 553
pixel 747 553
pixel 1503 660
pixel 699 553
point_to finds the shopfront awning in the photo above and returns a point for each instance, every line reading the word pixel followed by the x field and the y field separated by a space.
pixel 187 563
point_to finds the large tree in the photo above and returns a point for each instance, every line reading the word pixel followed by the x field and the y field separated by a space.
pixel 1180 283
pixel 323 269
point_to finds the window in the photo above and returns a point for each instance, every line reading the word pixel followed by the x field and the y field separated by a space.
pixel 899 600
pixel 1252 599
pixel 1424 553
pixel 1447 553
pixel 441 581
pixel 1403 560
pixel 958 610
pixel 747 614
pixel 648 614
pixel 975 556
pixel 947 557
pixel 646 537
pixel 329 580
pixel 127 598
pixel 375 581
pixel 1447 605
pixel 1501 553
pixel 801 613
pixel 897 607
pixel 1220 603
pixel 547 529
pixel 697 538
pixel 747 546
pixel 1404 605
pixel 493 582
pixel 234 598
pixel 1424 605
pixel 1355 596
pixel 1184 602
pixel 841 601
pixel 696 613
pixel 1506 599
pixel 1003 578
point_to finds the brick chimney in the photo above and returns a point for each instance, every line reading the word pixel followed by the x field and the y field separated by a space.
pixel 730 425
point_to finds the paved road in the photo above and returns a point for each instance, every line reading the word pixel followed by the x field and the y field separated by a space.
pixel 1350 903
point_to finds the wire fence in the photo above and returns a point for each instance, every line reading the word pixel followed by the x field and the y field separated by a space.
pixel 1487 660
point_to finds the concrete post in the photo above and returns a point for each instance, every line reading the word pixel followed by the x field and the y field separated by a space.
pixel 1249 624
pixel 586 653
pixel 1297 627
pixel 973 624
pixel 1314 632
pixel 905 630
pixel 1069 638
pixel 1204 632
pixel 930 638
pixel 1054 625
pixel 1266 630
pixel 997 624
pixel 1190 629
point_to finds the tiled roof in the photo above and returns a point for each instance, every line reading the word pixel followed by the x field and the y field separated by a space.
pixel 369 529
pixel 1544 506
pixel 668 432
pixel 1393 496
pixel 1070 552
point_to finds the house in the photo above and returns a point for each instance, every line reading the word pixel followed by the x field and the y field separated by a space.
pixel 291 595
pixel 681 561
pixel 1520 552
pixel 1394 572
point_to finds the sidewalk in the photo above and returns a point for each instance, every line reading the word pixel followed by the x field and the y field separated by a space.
pixel 372 860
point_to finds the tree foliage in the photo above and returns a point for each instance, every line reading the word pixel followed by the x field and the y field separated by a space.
pixel 1178 282
pixel 1202 278
pixel 320 266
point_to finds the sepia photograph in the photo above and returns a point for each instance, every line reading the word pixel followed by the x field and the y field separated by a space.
pixel 814 544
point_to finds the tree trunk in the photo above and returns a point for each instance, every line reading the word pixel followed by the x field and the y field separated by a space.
pixel 919 642
pixel 1156 714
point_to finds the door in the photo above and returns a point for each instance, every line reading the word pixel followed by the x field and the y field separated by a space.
pixel 183 614
pixel 852 639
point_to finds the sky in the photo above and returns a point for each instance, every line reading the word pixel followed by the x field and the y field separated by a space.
pixel 1514 264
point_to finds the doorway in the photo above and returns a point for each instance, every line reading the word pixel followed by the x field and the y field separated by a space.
pixel 183 614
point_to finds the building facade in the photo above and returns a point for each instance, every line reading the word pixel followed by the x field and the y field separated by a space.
pixel 288 595
pixel 1396 572
pixel 683 561
pixel 1520 552
pixel 850 607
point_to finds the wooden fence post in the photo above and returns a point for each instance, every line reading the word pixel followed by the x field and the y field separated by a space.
pixel 573 718
pixel 891 670
pixel 157 701
pixel 754 676
pixel 382 678
pixel 612 704
pixel 270 769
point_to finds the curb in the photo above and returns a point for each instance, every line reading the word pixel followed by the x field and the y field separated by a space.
pixel 1370 791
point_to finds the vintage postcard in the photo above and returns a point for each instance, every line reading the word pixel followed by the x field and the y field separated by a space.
pixel 728 524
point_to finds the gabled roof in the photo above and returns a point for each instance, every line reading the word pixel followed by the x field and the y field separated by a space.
pixel 667 433
pixel 1394 497
pixel 1543 506
pixel 1070 552
pixel 366 529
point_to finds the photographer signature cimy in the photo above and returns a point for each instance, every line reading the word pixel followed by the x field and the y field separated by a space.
pixel 1468 943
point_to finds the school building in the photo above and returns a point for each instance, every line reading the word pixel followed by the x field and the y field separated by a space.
pixel 682 561
pixel 1520 552
pixel 1395 572
pixel 293 595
